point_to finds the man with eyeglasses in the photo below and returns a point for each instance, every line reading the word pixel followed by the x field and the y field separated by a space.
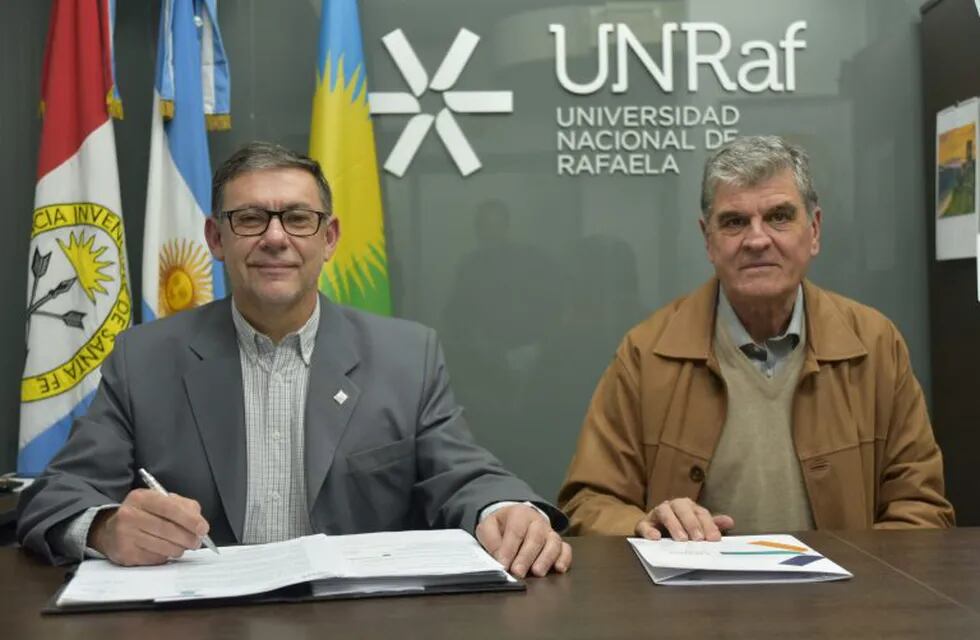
pixel 277 413
pixel 759 402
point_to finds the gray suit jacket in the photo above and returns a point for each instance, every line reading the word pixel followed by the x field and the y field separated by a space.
pixel 397 454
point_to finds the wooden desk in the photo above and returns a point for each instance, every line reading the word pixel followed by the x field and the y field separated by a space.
pixel 606 595
pixel 947 561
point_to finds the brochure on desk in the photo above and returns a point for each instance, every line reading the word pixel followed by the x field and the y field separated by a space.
pixel 308 568
pixel 758 559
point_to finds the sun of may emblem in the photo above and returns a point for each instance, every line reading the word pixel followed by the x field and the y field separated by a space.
pixel 84 259
pixel 185 276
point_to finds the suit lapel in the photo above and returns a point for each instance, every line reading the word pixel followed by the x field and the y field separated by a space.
pixel 214 390
pixel 331 396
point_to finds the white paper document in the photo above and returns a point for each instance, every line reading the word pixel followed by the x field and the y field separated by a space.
pixel 409 561
pixel 386 562
pixel 758 559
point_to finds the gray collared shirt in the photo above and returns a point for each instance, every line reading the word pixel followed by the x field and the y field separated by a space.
pixel 275 379
pixel 770 356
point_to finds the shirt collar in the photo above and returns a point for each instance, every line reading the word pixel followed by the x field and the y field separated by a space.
pixel 740 336
pixel 828 326
pixel 255 343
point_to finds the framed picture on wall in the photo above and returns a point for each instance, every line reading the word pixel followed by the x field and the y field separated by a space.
pixel 956 181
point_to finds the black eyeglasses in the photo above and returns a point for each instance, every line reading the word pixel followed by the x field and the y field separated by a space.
pixel 253 221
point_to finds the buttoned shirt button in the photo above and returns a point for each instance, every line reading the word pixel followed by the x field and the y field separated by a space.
pixel 697 474
pixel 275 496
pixel 276 436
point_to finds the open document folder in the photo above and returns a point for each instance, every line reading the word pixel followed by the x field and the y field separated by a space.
pixel 307 568
pixel 763 559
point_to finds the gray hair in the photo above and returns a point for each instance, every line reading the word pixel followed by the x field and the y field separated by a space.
pixel 256 156
pixel 751 160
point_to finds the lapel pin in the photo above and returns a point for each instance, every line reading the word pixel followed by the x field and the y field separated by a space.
pixel 340 397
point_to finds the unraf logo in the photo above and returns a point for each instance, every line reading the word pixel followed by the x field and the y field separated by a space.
pixel 417 79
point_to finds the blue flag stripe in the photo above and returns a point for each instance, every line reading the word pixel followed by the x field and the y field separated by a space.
pixel 186 133
pixel 35 455
pixel 222 79
pixel 340 36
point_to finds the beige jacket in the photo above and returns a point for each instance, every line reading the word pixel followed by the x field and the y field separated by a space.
pixel 860 427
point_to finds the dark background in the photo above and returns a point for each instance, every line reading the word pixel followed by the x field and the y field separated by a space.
pixel 951 73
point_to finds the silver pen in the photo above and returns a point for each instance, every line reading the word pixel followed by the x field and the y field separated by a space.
pixel 152 483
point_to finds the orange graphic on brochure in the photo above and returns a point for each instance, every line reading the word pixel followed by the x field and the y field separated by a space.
pixel 779 545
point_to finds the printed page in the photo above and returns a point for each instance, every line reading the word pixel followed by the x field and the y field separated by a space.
pixel 760 558
pixel 236 571
pixel 408 553
pixel 361 563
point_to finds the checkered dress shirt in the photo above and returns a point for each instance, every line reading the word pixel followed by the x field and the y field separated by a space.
pixel 275 378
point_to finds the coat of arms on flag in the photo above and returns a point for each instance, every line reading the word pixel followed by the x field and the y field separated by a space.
pixel 77 289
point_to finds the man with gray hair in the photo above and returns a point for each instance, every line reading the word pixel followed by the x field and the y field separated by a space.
pixel 276 413
pixel 759 402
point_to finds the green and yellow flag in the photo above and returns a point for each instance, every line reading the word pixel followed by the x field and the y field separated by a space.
pixel 342 141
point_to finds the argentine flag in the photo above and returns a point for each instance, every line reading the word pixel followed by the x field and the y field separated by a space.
pixel 191 94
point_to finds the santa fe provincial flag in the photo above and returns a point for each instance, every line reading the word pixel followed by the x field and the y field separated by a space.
pixel 77 289
pixel 190 94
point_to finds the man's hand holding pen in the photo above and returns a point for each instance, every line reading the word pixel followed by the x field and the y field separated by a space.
pixel 148 528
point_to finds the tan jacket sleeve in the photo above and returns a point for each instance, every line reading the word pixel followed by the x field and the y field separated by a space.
pixel 603 493
pixel 910 479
